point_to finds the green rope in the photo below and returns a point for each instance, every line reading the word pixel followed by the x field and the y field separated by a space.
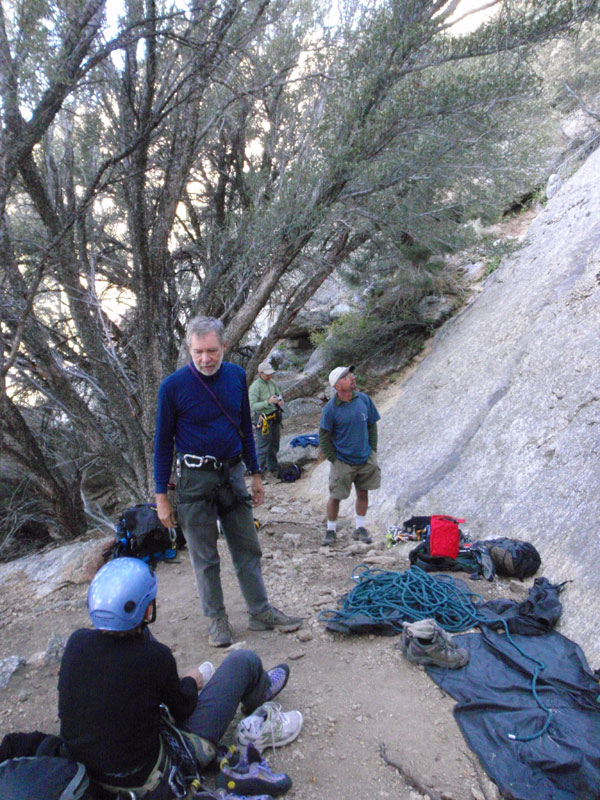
pixel 392 598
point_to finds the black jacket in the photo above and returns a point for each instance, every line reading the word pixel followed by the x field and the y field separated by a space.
pixel 109 692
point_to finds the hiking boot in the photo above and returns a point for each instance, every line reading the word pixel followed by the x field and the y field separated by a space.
pixel 251 775
pixel 362 535
pixel 426 642
pixel 274 618
pixel 269 726
pixel 329 538
pixel 279 677
pixel 219 632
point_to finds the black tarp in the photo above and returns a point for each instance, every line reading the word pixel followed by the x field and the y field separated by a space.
pixel 495 699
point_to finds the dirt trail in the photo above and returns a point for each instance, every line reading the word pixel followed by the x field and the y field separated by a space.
pixel 357 694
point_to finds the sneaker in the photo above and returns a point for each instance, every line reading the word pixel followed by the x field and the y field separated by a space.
pixel 329 538
pixel 219 632
pixel 251 775
pixel 269 726
pixel 426 642
pixel 207 670
pixel 362 535
pixel 274 618
pixel 279 677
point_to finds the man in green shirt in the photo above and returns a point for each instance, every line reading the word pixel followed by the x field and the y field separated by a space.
pixel 266 403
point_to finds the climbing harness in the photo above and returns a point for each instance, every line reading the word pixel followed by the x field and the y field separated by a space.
pixel 265 421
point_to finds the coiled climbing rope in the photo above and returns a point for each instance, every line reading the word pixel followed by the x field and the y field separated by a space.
pixel 392 597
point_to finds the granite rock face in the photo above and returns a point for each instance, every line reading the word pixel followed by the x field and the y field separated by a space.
pixel 500 423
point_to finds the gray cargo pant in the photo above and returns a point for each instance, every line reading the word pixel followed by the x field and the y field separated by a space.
pixel 204 496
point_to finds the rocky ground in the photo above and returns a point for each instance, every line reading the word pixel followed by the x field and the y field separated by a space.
pixel 375 725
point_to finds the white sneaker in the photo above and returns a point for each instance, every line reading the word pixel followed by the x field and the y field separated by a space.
pixel 207 670
pixel 269 726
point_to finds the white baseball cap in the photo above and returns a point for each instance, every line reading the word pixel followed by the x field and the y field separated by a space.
pixel 339 372
pixel 265 367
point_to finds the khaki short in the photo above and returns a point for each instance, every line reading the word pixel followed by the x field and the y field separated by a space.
pixel 364 476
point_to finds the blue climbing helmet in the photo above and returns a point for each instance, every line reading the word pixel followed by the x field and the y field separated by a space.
pixel 120 593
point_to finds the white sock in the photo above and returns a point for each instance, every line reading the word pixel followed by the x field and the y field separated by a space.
pixel 332 525
pixel 360 521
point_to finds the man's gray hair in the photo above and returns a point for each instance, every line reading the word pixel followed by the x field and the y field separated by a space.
pixel 200 326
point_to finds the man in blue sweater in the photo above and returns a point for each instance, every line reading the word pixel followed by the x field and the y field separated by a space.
pixel 348 438
pixel 203 409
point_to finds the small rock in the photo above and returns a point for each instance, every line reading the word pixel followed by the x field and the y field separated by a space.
pixel 37 659
pixel 8 667
pixel 23 697
pixel 304 636
pixel 518 587
pixel 358 548
pixel 296 656
pixel 386 562
pixel 237 645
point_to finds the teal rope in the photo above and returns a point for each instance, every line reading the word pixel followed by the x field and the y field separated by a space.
pixel 386 596
pixel 539 667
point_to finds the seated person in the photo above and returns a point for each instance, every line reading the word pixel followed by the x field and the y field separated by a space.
pixel 114 677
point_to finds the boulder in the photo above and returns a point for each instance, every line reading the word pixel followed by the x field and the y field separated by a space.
pixel 296 455
pixel 436 307
pixel 46 572
pixel 302 406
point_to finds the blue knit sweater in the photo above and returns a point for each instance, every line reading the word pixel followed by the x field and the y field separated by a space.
pixel 189 417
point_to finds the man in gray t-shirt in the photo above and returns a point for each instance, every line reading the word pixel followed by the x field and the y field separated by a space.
pixel 348 438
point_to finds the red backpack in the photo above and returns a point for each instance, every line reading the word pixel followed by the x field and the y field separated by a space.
pixel 444 536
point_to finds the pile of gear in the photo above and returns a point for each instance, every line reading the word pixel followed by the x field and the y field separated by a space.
pixel 444 547
pixel 527 701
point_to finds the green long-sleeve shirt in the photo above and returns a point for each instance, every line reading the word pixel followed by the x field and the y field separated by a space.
pixel 259 393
